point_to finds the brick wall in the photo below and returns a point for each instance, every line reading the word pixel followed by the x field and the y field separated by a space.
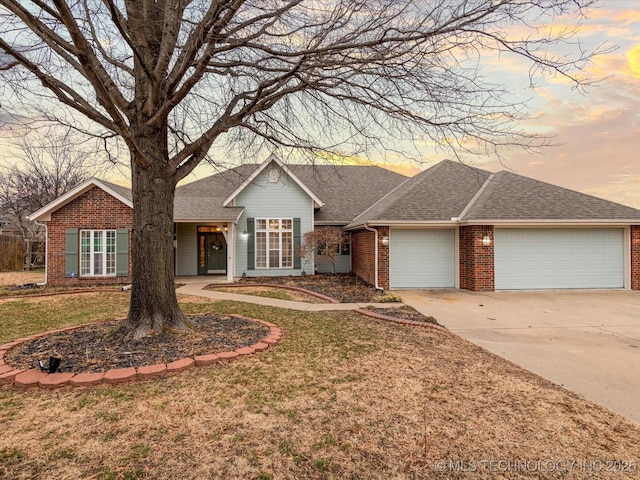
pixel 383 259
pixel 635 257
pixel 95 209
pixel 363 256
pixel 476 260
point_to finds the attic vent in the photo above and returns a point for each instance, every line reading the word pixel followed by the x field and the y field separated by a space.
pixel 274 175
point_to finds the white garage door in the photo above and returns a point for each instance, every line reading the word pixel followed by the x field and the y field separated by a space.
pixel 559 258
pixel 421 258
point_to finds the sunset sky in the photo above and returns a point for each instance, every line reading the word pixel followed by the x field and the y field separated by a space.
pixel 597 131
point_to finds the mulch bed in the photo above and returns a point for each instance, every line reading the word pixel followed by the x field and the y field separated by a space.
pixel 100 347
pixel 346 288
pixel 402 313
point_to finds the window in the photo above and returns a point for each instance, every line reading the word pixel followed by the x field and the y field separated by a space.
pixel 340 248
pixel 97 253
pixel 274 242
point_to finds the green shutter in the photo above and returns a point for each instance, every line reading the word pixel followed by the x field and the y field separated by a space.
pixel 251 244
pixel 122 252
pixel 71 253
pixel 297 261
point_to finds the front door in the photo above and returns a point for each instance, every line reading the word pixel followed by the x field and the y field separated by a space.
pixel 212 252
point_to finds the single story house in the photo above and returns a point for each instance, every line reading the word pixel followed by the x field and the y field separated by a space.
pixel 451 226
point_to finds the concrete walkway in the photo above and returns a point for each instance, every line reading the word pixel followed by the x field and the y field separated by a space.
pixel 197 288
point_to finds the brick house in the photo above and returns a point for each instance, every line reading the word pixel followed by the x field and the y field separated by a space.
pixel 451 226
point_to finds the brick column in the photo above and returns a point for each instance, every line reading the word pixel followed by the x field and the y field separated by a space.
pixel 635 257
pixel 383 259
pixel 476 260
pixel 362 255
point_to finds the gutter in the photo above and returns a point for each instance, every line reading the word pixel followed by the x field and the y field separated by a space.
pixel 367 227
pixel 46 253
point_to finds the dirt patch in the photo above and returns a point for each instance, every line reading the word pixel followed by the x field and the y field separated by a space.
pixel 402 313
pixel 346 288
pixel 101 347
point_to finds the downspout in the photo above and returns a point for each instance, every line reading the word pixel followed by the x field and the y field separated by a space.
pixel 46 253
pixel 367 227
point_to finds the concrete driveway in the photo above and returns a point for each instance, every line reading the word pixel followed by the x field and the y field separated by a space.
pixel 586 341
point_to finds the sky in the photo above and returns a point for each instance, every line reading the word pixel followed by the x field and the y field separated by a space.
pixel 596 132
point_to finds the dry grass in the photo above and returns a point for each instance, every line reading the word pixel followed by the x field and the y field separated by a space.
pixel 26 316
pixel 343 396
pixel 274 292
pixel 19 278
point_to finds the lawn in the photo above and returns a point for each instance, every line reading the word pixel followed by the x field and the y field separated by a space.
pixel 342 396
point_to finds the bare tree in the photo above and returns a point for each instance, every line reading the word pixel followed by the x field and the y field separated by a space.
pixel 174 78
pixel 326 243
pixel 50 164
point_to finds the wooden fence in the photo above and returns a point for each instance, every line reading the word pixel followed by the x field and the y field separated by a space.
pixel 11 253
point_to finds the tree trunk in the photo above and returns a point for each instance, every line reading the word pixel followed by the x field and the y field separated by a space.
pixel 28 255
pixel 154 304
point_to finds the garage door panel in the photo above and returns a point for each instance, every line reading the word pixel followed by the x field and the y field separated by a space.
pixel 559 258
pixel 421 258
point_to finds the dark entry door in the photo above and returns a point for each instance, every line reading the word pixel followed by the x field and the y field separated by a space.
pixel 212 253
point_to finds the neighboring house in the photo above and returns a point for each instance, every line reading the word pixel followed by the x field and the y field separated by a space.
pixel 451 226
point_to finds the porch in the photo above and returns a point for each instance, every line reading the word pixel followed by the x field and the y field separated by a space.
pixel 205 249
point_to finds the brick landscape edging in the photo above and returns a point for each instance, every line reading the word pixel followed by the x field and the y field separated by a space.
pixel 36 378
pixel 272 285
pixel 387 318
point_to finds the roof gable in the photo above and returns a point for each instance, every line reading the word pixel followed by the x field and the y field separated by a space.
pixel 437 194
pixel 272 159
pixel 450 192
pixel 346 190
pixel 122 194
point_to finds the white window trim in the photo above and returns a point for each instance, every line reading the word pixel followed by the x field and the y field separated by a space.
pixel 266 231
pixel 92 272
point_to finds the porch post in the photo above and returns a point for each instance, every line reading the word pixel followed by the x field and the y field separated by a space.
pixel 231 251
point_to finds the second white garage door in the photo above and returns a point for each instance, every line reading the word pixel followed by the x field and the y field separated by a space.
pixel 559 258
pixel 422 258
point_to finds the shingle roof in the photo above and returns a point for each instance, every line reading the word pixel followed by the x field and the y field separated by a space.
pixel 436 194
pixel 451 190
pixel 356 195
pixel 195 207
pixel 203 209
pixel 513 197
pixel 345 190
pixel 124 191
pixel 202 199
